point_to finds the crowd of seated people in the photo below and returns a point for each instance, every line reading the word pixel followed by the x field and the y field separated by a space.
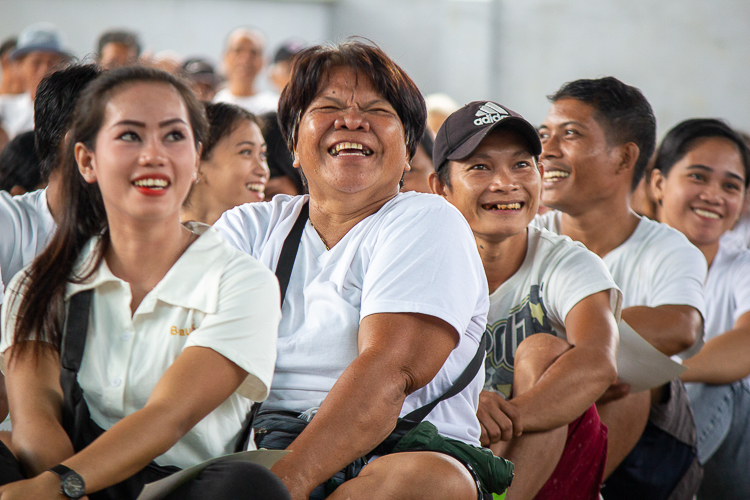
pixel 387 302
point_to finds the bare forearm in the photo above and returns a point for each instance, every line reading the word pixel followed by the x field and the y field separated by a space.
pixel 670 329
pixel 359 412
pixel 40 445
pixel 723 360
pixel 570 385
pixel 137 439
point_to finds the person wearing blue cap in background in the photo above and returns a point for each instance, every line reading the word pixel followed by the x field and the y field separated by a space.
pixel 40 49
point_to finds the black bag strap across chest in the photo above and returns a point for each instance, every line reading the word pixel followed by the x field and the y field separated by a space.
pixel 71 354
pixel 76 419
pixel 289 250
pixel 284 272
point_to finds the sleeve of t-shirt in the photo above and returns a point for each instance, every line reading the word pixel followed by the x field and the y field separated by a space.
pixel 251 227
pixel 578 274
pixel 244 327
pixel 8 238
pixel 677 277
pixel 741 285
pixel 237 228
pixel 9 314
pixel 426 262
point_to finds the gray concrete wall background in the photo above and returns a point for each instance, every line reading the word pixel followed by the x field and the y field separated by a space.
pixel 688 56
pixel 189 27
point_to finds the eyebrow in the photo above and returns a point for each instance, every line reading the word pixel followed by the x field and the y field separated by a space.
pixel 705 168
pixel 135 123
pixel 365 105
pixel 522 152
pixel 564 124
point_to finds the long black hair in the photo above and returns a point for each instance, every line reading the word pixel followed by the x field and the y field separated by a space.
pixel 42 290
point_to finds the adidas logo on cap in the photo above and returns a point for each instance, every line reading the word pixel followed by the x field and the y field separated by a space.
pixel 489 113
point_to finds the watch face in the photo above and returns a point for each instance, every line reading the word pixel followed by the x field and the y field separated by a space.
pixel 72 485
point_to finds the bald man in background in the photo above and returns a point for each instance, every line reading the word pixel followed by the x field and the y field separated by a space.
pixel 243 62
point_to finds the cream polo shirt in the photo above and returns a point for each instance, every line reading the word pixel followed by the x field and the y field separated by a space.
pixel 215 297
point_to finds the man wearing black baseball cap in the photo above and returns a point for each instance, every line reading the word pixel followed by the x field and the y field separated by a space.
pixel 553 309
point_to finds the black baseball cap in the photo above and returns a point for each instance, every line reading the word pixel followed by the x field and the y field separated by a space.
pixel 465 129
pixel 200 70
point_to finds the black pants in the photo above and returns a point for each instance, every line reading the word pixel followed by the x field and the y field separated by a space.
pixel 219 481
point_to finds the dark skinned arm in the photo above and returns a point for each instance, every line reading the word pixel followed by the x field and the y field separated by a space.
pixel 669 328
pixel 398 354
pixel 724 359
pixel 36 399
pixel 589 367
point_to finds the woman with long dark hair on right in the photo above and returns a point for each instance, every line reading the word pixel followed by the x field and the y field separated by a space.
pixel 700 179
pixel 135 345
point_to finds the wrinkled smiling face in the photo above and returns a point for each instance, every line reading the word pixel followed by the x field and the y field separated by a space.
pixel 350 139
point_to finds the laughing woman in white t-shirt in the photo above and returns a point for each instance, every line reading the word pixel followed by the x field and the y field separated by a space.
pixel 179 329
pixel 387 298
pixel 700 178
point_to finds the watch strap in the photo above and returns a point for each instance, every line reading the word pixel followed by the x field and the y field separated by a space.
pixel 72 484
pixel 60 469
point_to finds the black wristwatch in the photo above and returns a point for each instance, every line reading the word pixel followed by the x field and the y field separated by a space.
pixel 71 483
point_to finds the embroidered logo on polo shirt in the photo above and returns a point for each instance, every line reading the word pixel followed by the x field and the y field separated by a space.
pixel 489 113
pixel 181 332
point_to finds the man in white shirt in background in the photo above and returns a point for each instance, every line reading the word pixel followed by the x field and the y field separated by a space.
pixel 39 51
pixel 243 62
pixel 597 139
pixel 27 221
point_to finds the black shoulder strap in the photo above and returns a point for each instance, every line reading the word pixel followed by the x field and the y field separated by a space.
pixel 289 250
pixel 461 383
pixel 283 273
pixel 76 328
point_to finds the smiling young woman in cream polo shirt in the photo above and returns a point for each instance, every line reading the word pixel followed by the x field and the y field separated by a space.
pixel 181 328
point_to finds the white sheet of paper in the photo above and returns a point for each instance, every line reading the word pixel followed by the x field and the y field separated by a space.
pixel 641 365
pixel 161 488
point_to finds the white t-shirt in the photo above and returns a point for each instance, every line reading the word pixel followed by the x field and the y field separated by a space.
pixel 655 266
pixel 556 274
pixel 727 289
pixel 739 236
pixel 415 255
pixel 262 102
pixel 16 113
pixel 26 226
pixel 214 297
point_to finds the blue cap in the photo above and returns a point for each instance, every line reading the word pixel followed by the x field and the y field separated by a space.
pixel 40 37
